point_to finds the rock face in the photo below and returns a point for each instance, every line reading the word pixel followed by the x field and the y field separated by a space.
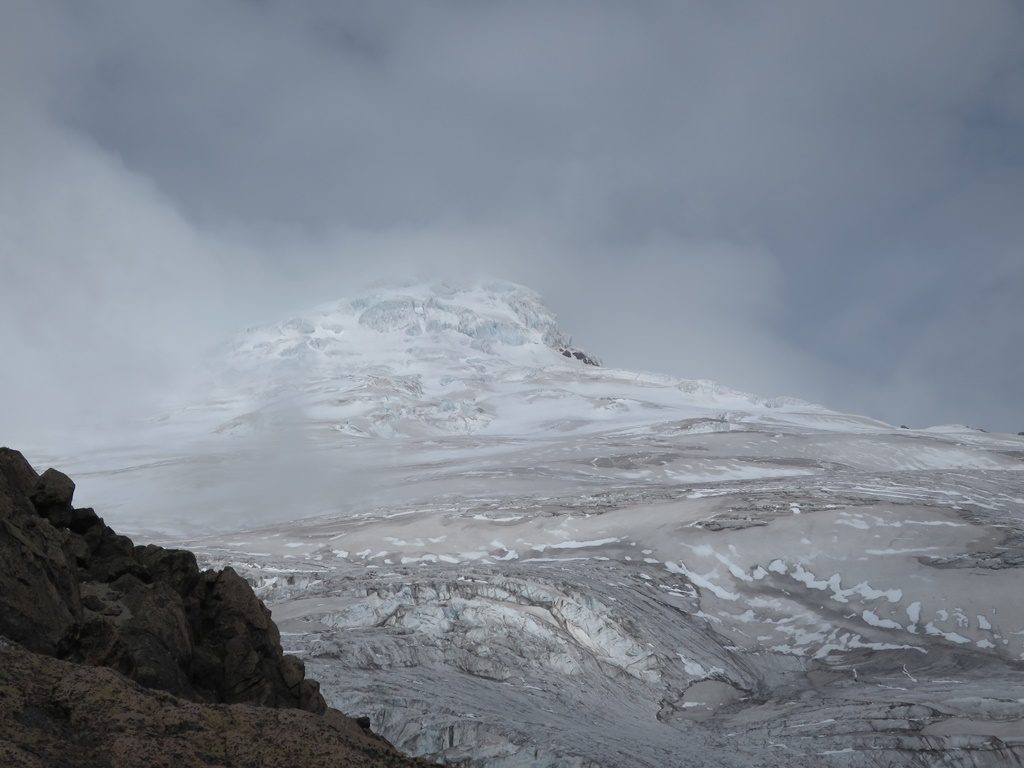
pixel 40 599
pixel 73 589
pixel 577 354
pixel 79 591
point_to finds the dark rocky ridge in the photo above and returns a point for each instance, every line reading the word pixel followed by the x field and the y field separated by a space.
pixel 580 355
pixel 73 589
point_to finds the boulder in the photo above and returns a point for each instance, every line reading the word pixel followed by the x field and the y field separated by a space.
pixel 52 497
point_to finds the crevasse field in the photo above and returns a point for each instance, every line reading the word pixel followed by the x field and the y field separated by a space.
pixel 508 557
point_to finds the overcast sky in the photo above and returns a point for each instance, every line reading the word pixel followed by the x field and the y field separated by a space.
pixel 818 199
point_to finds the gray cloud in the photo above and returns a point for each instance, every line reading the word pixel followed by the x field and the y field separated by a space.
pixel 816 199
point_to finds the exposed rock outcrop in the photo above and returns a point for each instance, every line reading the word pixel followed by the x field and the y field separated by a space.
pixel 577 354
pixel 79 591
pixel 73 589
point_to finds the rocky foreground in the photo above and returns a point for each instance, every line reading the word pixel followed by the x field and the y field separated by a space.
pixel 113 654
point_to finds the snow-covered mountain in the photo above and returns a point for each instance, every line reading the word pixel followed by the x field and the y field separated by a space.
pixel 433 359
pixel 410 360
pixel 509 556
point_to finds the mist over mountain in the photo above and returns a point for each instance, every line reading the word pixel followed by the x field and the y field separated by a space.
pixel 579 384
pixel 819 203
pixel 313 411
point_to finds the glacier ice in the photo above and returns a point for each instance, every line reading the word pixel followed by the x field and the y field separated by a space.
pixel 506 557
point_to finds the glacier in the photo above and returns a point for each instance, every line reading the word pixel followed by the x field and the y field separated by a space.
pixel 506 556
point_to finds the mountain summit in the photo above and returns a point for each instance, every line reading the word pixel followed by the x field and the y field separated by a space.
pixel 409 359
pixel 425 359
pixel 407 319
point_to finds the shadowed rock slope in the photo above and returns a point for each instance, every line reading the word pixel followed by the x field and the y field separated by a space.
pixel 196 674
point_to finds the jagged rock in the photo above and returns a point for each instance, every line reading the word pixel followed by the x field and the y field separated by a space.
pixel 40 604
pixel 83 519
pixel 310 698
pixel 235 627
pixel 17 473
pixel 157 639
pixel 75 588
pixel 576 354
pixel 176 567
pixel 112 556
pixel 293 671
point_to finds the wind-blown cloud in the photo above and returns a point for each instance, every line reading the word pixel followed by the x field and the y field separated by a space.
pixel 801 198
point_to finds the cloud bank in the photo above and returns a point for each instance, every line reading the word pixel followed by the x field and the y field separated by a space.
pixel 798 198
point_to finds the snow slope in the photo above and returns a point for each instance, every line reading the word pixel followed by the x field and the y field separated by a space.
pixel 508 557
